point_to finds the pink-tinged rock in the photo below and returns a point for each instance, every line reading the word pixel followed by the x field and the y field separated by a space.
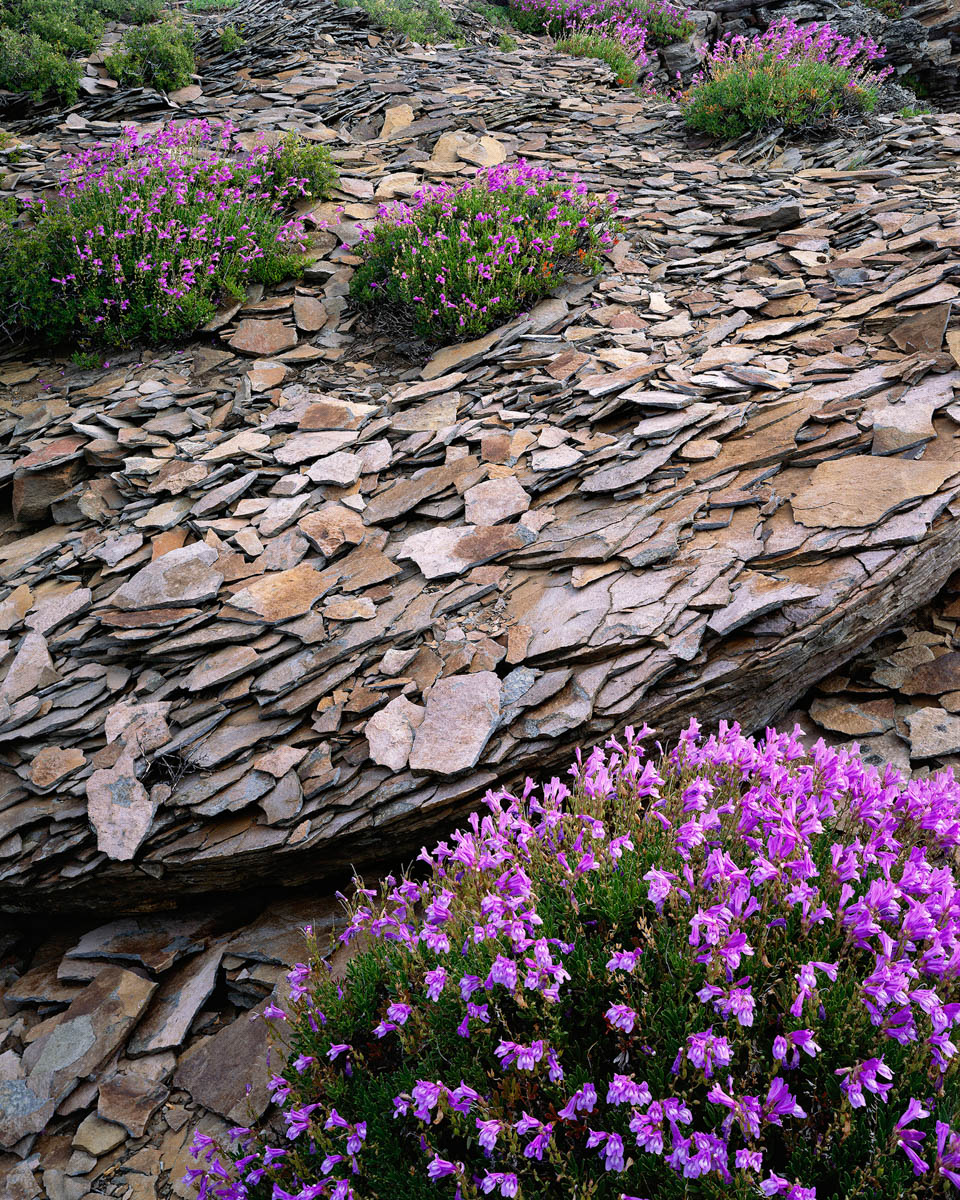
pixel 461 713
pixel 309 313
pixel 227 1073
pixel 861 490
pixel 495 500
pixel 443 551
pixel 390 732
pixel 182 994
pixel 119 809
pixel 180 577
pixel 263 338
pixel 31 671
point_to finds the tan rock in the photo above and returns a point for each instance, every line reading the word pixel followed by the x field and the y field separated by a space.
pixel 460 715
pixel 934 678
pixel 856 719
pixel 282 595
pixel 97 1136
pixel 390 732
pixel 181 996
pixel 933 732
pixel 332 526
pixel 263 338
pixel 119 809
pixel 53 763
pixel 395 118
pixel 861 490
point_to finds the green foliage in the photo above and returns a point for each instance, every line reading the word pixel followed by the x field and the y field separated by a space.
pixel 507 44
pixel 455 262
pixel 595 45
pixel 911 111
pixel 39 40
pixel 129 12
pixel 160 56
pixel 28 64
pixel 88 268
pixel 495 14
pixel 890 8
pixel 230 39
pixel 422 21
pixel 308 162
pixel 206 6
pixel 750 96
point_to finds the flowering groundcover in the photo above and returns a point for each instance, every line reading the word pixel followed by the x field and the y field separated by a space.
pixel 635 26
pixel 147 234
pixel 456 261
pixel 727 970
pixel 791 75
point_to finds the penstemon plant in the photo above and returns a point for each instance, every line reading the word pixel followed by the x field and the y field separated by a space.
pixel 790 75
pixel 732 970
pixel 456 261
pixel 148 233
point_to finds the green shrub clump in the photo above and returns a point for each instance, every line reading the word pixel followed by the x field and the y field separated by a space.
pixel 789 76
pixel 150 233
pixel 230 39
pixel 423 21
pixel 206 6
pixel 40 40
pixel 457 261
pixel 726 972
pixel 606 49
pixel 159 55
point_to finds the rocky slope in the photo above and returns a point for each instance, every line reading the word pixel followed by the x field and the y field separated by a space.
pixel 287 598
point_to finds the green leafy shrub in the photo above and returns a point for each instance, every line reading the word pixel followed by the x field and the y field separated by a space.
pixel 506 44
pixel 606 49
pixel 307 162
pixel 205 6
pixel 422 21
pixel 155 55
pixel 100 268
pixel 727 972
pixel 130 12
pixel 230 39
pixel 456 261
pixel 28 64
pixel 890 8
pixel 788 76
pixel 40 39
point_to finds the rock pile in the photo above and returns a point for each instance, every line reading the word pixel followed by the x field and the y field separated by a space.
pixel 285 599
pixel 278 597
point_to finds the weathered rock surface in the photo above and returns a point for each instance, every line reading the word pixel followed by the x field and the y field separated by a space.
pixel 300 600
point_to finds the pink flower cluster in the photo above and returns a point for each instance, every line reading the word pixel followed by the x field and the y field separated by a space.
pixel 166 213
pixel 795 913
pixel 789 44
pixel 462 254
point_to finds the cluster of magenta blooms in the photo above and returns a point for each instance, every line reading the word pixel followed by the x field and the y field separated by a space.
pixel 626 22
pixel 787 44
pixel 460 257
pixel 815 916
pixel 193 206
